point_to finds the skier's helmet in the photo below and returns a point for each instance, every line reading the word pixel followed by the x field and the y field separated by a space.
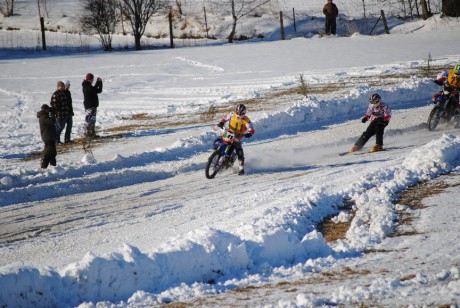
pixel 240 110
pixel 375 99
pixel 457 69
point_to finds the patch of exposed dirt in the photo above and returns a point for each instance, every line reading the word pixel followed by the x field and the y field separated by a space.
pixel 412 198
pixel 333 231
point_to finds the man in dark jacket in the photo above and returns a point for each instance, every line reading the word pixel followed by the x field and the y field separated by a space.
pixel 69 123
pixel 61 109
pixel 48 134
pixel 91 102
pixel 330 11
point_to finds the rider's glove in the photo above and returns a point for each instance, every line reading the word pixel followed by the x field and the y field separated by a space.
pixel 248 135
pixel 385 123
pixel 221 125
pixel 364 119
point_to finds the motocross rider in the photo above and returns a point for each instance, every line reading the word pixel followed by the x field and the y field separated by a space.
pixel 451 79
pixel 241 126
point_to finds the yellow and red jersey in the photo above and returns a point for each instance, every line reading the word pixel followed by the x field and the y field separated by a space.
pixel 453 81
pixel 238 125
pixel 449 79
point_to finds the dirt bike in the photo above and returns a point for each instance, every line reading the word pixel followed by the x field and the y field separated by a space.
pixel 224 155
pixel 444 107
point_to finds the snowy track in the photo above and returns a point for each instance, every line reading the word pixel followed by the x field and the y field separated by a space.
pixel 138 224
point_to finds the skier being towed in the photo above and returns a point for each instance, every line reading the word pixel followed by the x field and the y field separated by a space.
pixel 379 114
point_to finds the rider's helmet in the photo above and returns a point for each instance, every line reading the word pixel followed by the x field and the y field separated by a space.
pixel 375 99
pixel 240 110
pixel 457 69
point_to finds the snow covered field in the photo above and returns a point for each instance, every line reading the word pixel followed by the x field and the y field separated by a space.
pixel 135 222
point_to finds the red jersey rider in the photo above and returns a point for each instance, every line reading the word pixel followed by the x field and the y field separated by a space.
pixel 451 79
pixel 379 114
pixel 241 126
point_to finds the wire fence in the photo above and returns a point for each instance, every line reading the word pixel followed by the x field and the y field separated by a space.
pixel 203 23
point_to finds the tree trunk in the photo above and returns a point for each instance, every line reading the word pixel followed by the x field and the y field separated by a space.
pixel 451 8
pixel 235 20
pixel 8 11
pixel 232 33
pixel 425 12
pixel 137 41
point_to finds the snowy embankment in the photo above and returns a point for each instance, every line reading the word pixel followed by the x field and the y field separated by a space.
pixel 210 260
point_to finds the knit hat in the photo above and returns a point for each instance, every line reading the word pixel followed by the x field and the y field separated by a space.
pixel 60 83
pixel 89 76
pixel 67 82
pixel 46 107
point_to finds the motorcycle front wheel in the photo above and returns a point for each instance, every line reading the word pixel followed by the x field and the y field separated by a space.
pixel 213 166
pixel 434 117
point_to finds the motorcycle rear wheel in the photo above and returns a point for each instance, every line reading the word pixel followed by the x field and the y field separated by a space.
pixel 212 166
pixel 434 118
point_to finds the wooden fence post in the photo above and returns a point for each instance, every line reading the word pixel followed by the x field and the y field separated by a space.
pixel 281 25
pixel 293 16
pixel 385 25
pixel 205 22
pixel 171 38
pixel 42 26
pixel 382 15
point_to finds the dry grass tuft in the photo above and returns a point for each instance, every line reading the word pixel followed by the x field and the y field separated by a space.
pixel 412 198
pixel 333 231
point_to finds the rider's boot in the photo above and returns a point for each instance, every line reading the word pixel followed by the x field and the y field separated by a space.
pixel 241 169
pixel 457 121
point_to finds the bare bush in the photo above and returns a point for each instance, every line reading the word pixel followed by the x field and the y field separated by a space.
pixel 138 13
pixel 100 16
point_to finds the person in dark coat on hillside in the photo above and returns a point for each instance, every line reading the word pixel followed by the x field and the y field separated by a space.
pixel 91 102
pixel 48 134
pixel 61 109
pixel 69 123
pixel 331 11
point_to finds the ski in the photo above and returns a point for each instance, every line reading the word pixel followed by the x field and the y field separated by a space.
pixel 369 152
pixel 360 152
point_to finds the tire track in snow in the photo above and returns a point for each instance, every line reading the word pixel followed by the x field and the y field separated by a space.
pixel 199 64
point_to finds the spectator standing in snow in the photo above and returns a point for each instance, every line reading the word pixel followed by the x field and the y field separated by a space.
pixel 331 11
pixel 61 109
pixel 379 114
pixel 69 123
pixel 91 102
pixel 48 134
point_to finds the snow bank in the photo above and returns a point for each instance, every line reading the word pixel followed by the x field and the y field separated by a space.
pixel 206 259
pixel 373 196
